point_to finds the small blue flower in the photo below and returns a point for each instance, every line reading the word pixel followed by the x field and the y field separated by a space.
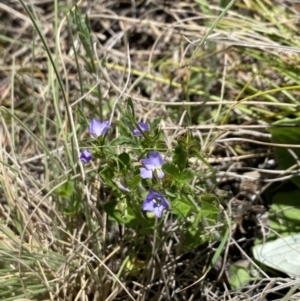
pixel 155 202
pixel 98 128
pixel 144 127
pixel 153 163
pixel 86 156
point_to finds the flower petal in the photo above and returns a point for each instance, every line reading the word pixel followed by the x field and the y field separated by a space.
pixel 98 128
pixel 153 163
pixel 148 206
pixel 85 156
pixel 158 211
pixel 156 159
pixel 146 173
pixel 160 173
pixel 155 202
pixel 148 164
pixel 144 127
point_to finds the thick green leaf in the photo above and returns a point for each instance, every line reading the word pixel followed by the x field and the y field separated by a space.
pixel 238 276
pixel 186 175
pixel 180 157
pixel 284 216
pixel 124 160
pixel 107 174
pixel 117 211
pixel 134 182
pixel 171 169
pixel 210 199
pixel 210 206
pixel 181 208
pixel 65 190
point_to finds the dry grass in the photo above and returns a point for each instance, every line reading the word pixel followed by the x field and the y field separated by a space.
pixel 227 93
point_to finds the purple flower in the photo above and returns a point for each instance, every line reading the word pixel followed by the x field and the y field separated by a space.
pixel 86 156
pixel 144 127
pixel 98 128
pixel 155 202
pixel 153 163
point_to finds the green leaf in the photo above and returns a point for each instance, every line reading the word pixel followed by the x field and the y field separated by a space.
pixel 154 124
pixel 238 276
pixel 73 207
pixel 196 235
pixel 194 148
pixel 193 239
pixel 210 167
pixel 186 189
pixel 186 175
pixel 107 174
pixel 160 144
pixel 210 198
pixel 118 212
pixel 82 117
pixel 284 214
pixel 124 160
pixel 134 182
pixel 284 157
pixel 180 157
pixel 181 208
pixel 171 168
pixel 124 127
pixel 181 142
pixel 122 140
pixel 210 206
pixel 66 189
pixel 167 181
pixel 130 107
pixel 112 163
